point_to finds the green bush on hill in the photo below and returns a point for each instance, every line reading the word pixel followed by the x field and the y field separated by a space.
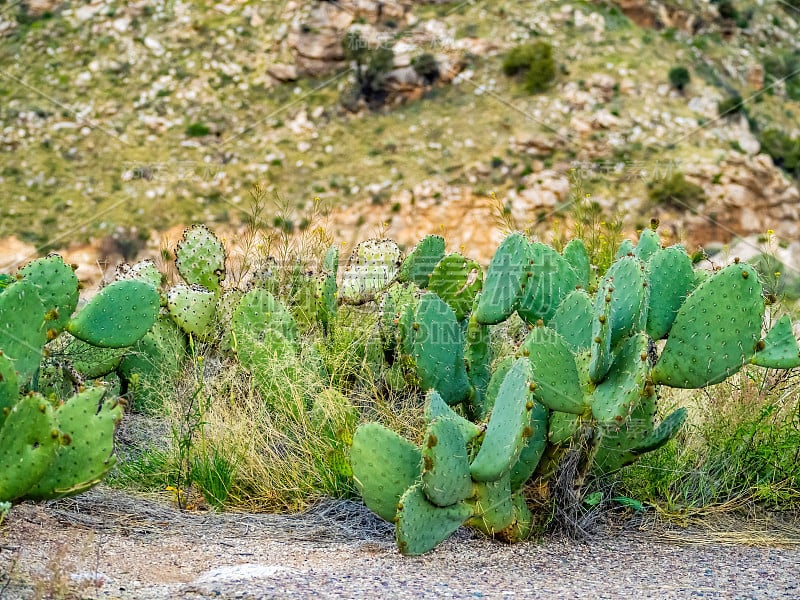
pixel 533 61
pixel 784 149
pixel 675 191
pixel 679 77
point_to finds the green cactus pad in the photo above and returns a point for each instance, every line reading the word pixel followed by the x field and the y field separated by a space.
pixel 614 399
pixel 649 244
pixel 421 525
pixel 506 432
pixel 28 443
pixel 521 527
pixel 23 326
pixel 478 357
pixel 493 508
pixel 325 299
pixel 9 390
pixel 505 280
pixel 384 466
pixel 622 445
pixel 501 369
pixel 573 320
pixel 57 287
pixel 457 281
pixel 554 371
pixel 663 433
pixel 193 308
pixel 91 361
pixel 420 262
pixel 226 305
pixel 437 408
pixel 394 300
pixel 263 328
pixel 144 270
pixel 577 256
pixel 671 278
pixel 445 471
pixel 438 349
pixel 715 331
pixel 562 427
pixel 533 449
pixel 118 316
pixel 600 347
pixel 373 265
pixel 155 363
pixel 552 278
pixel 330 261
pixel 780 349
pixel 200 258
pixel 625 248
pixel 87 422
pixel 629 298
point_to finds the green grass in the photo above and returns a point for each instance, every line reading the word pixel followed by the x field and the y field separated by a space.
pixel 741 449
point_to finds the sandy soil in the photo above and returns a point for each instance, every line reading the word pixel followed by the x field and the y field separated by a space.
pixel 108 544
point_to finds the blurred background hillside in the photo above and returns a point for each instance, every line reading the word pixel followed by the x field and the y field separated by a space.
pixel 123 122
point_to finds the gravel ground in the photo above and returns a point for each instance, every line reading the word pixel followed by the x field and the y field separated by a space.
pixel 111 545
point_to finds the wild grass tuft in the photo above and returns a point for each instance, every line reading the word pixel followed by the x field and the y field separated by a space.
pixel 741 450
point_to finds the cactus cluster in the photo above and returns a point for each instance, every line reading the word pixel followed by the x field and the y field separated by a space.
pixel 588 371
pixel 56 436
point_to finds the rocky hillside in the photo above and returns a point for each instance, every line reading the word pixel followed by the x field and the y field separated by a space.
pixel 121 120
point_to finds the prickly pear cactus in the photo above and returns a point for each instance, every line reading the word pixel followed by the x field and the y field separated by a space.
pixel 509 425
pixel 23 326
pixel 200 258
pixel 119 315
pixel 437 348
pixel 587 382
pixel 373 265
pixel 29 440
pixel 457 281
pixel 8 387
pixel 57 288
pixel 421 261
pixel 716 330
pixel 384 465
pixel 551 279
pixel 87 422
pixel 144 270
pixel 779 350
pixel 193 308
pixel 505 280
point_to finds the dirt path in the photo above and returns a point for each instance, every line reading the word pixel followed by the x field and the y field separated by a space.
pixel 110 545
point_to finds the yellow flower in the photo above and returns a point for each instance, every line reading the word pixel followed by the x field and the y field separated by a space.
pixel 770 232
pixel 777 273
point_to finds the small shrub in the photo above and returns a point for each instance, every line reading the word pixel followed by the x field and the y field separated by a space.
pixel 727 10
pixel 197 130
pixel 371 69
pixel 535 61
pixel 784 67
pixel 731 106
pixel 675 191
pixel 425 66
pixel 679 77
pixel 784 150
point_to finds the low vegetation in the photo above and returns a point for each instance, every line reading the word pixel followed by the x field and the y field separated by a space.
pixel 675 191
pixel 533 63
pixel 440 393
